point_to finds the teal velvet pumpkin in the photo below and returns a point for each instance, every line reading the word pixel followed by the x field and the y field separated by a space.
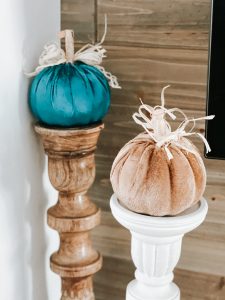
pixel 69 94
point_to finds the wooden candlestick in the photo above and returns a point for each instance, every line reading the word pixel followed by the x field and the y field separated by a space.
pixel 71 169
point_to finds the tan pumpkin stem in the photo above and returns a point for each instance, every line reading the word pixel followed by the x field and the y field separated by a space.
pixel 69 44
pixel 160 130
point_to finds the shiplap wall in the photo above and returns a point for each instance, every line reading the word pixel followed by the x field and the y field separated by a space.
pixel 152 43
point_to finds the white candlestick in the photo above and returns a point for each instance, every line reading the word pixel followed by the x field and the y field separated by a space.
pixel 156 248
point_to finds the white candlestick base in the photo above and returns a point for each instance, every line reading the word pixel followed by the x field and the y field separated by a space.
pixel 156 248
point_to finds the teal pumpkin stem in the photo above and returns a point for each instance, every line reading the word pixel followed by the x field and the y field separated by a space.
pixel 69 44
pixel 90 54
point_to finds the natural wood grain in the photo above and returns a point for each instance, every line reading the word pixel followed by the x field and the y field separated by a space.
pixel 152 43
pixel 79 15
pixel 143 72
pixel 164 23
pixel 71 170
pixel 203 287
pixel 186 70
pixel 113 278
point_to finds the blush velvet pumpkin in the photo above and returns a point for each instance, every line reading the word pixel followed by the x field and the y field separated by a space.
pixel 69 94
pixel 146 181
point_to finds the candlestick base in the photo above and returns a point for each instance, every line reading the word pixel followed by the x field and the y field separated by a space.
pixel 156 248
pixel 71 168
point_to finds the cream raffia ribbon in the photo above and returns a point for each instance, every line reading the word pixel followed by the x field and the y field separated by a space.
pixel 92 55
pixel 160 130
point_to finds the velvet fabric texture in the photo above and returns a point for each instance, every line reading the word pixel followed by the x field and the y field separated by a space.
pixel 69 94
pixel 147 182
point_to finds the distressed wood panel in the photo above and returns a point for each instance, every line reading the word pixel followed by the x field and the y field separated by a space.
pixel 113 278
pixel 152 43
pixel 116 274
pixel 203 287
pixel 143 72
pixel 164 23
pixel 79 15
pixel 197 249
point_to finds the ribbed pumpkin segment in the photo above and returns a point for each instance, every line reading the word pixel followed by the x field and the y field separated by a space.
pixel 69 95
pixel 182 182
pixel 199 174
pixel 147 182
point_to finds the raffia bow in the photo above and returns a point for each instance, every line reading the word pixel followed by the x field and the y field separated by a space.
pixel 160 130
pixel 92 55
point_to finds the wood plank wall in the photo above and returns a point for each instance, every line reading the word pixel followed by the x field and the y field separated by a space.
pixel 152 43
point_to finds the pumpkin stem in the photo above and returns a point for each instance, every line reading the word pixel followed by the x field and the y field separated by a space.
pixel 69 44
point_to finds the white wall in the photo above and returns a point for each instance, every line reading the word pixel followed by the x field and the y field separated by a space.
pixel 25 239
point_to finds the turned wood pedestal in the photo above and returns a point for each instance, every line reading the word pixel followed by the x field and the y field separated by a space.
pixel 71 169
pixel 156 249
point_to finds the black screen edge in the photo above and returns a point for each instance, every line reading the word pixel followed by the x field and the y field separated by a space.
pixel 208 155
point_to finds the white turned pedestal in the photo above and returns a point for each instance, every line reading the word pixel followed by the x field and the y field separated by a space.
pixel 156 248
